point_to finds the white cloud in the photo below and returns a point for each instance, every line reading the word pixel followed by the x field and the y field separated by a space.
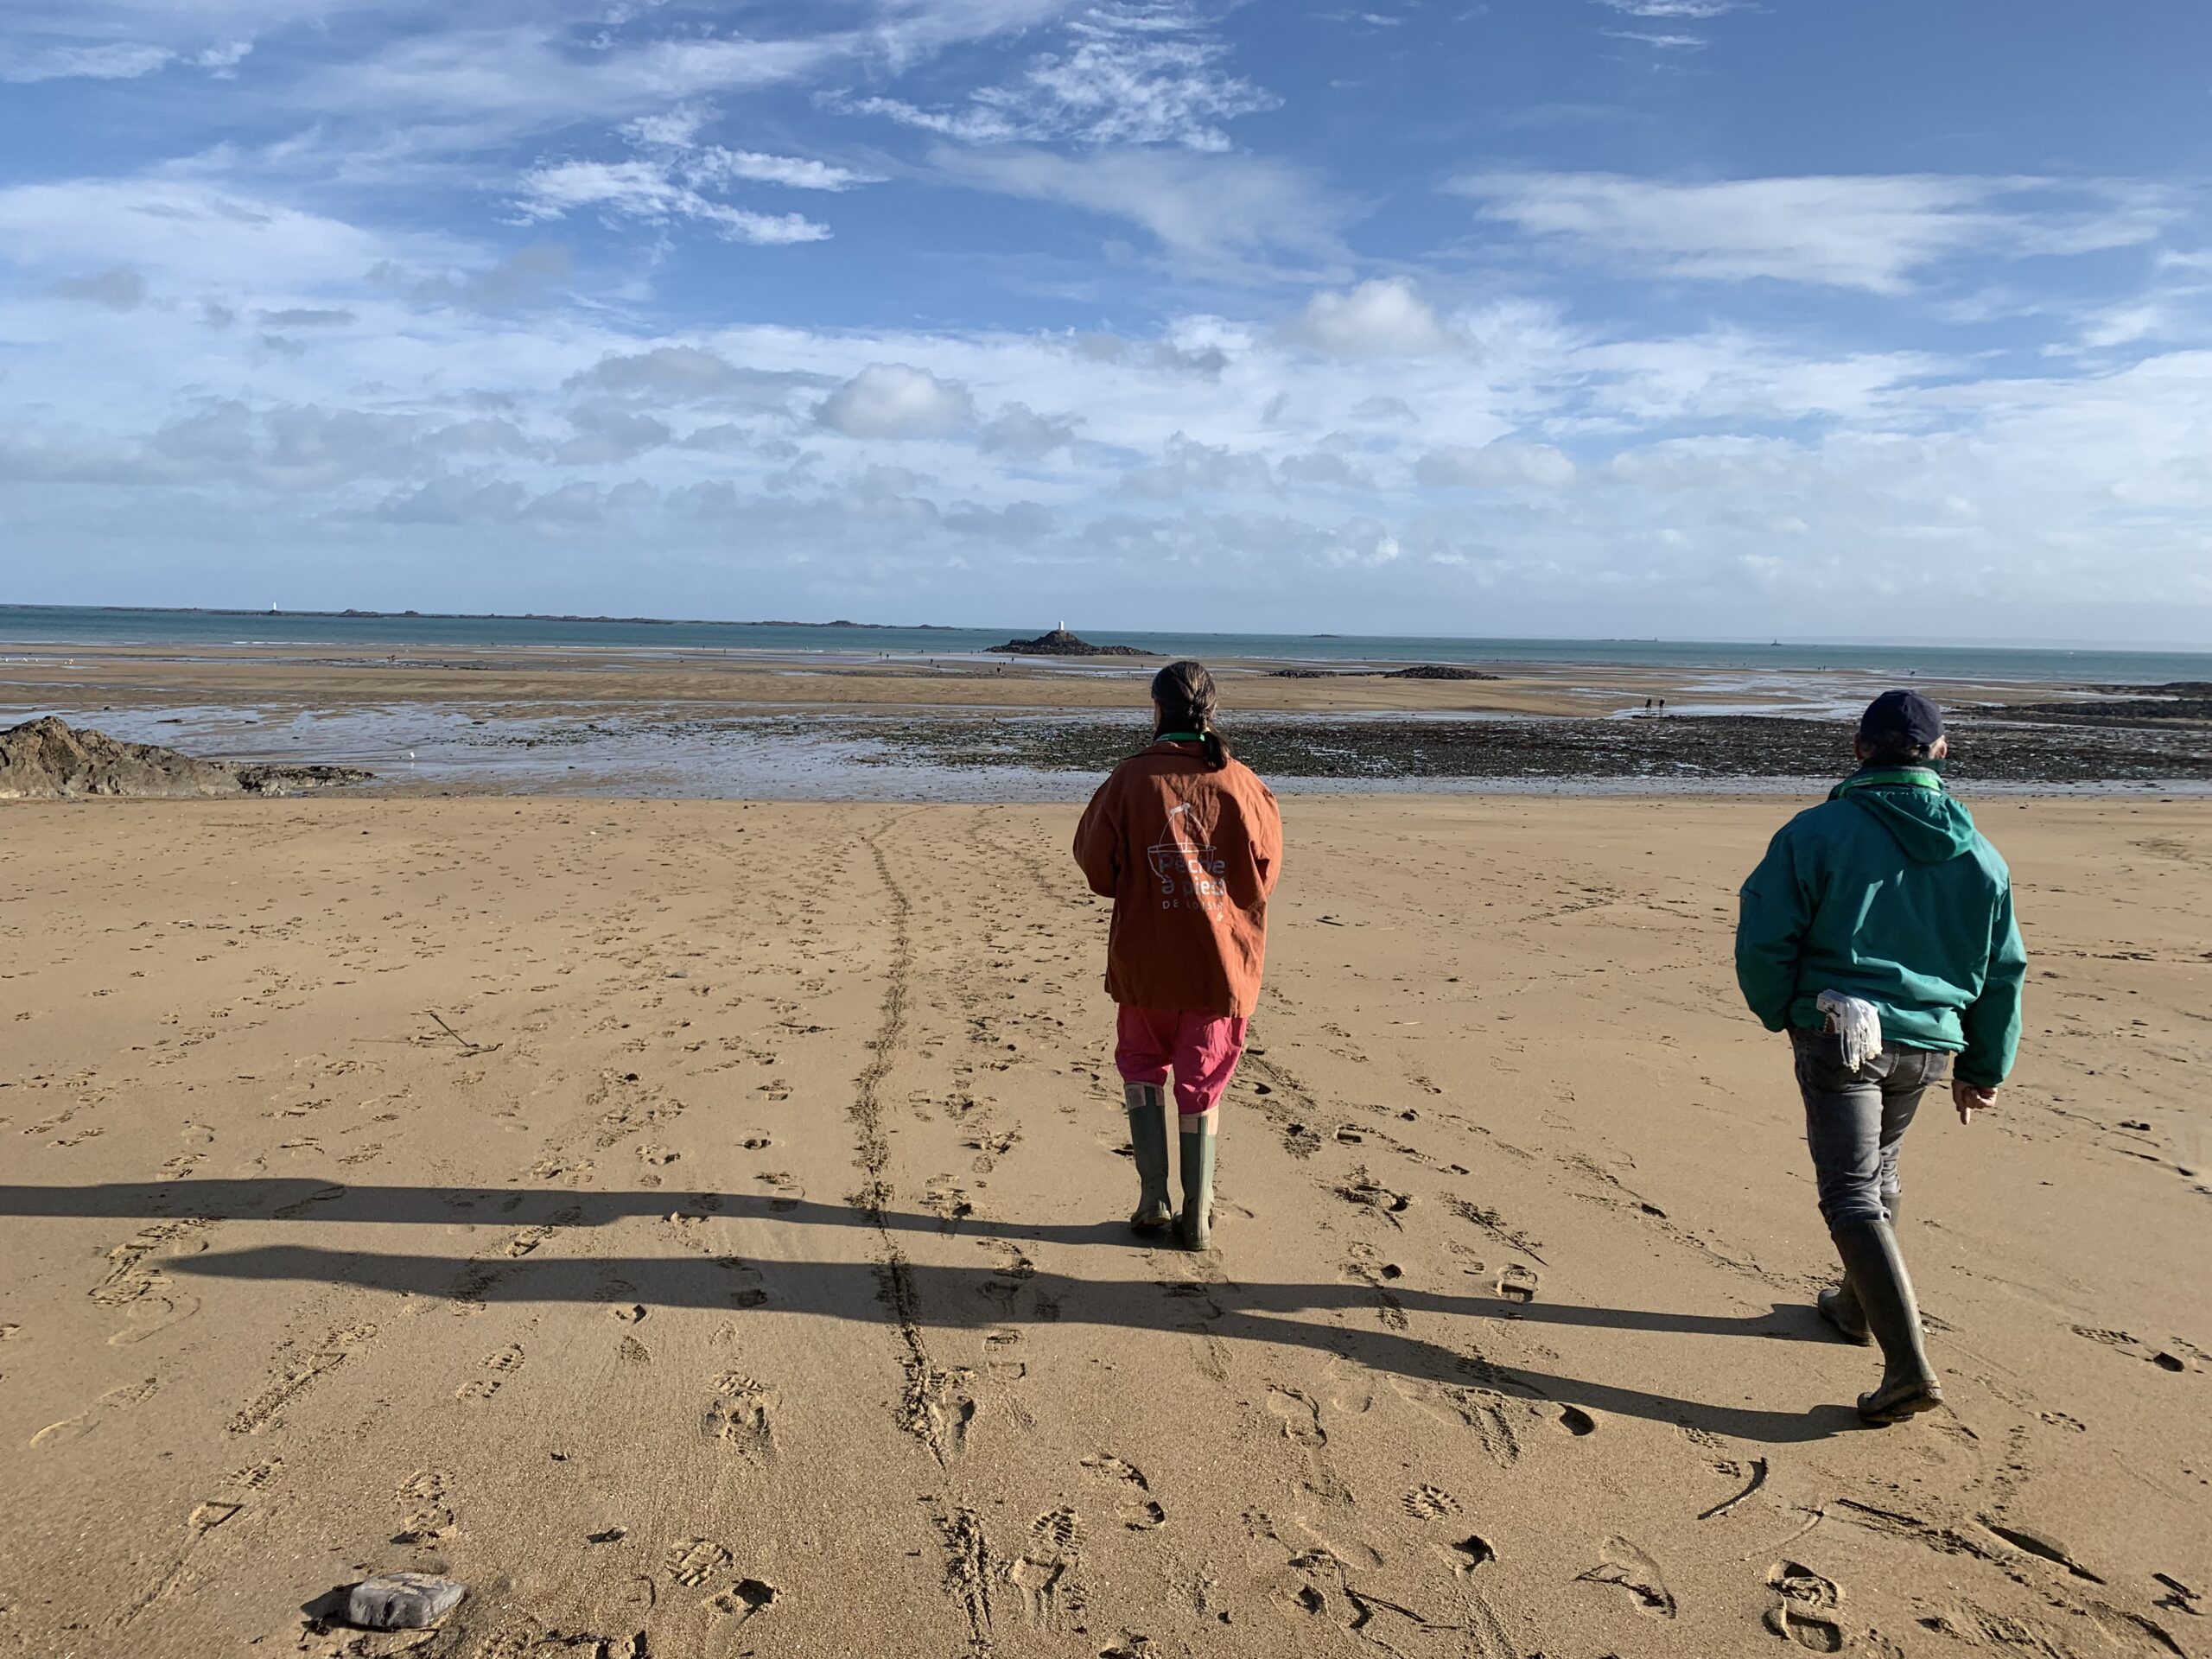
pixel 526 278
pixel 187 233
pixel 1497 466
pixel 646 190
pixel 1021 431
pixel 1134 74
pixel 1665 42
pixel 1874 232
pixel 1228 216
pixel 1696 10
pixel 119 61
pixel 896 400
pixel 671 177
pixel 793 172
pixel 690 374
pixel 122 60
pixel 1386 317
pixel 1188 467
pixel 222 61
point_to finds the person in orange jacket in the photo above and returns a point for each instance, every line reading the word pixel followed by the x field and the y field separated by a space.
pixel 1187 842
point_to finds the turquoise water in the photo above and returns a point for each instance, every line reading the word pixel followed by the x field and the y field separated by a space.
pixel 58 625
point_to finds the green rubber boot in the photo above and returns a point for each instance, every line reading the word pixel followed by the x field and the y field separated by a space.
pixel 1148 1104
pixel 1200 1142
pixel 1876 1267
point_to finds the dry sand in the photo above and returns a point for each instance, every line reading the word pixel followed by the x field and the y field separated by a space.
pixel 643 1211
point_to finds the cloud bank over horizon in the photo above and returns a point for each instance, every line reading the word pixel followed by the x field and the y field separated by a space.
pixel 1595 317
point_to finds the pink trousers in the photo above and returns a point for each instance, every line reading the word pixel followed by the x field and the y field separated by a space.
pixel 1201 1049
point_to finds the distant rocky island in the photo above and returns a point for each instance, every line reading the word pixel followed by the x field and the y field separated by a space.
pixel 1060 643
pixel 352 614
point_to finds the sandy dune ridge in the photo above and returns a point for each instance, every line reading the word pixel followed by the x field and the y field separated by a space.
pixel 697 1226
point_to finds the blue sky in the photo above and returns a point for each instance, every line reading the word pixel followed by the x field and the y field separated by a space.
pixel 1683 317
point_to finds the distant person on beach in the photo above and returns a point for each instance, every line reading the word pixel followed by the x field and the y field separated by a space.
pixel 1878 932
pixel 1187 842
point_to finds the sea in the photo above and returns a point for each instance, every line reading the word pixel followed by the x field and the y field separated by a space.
pixel 38 625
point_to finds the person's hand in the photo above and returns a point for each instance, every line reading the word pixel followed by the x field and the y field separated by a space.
pixel 1969 1099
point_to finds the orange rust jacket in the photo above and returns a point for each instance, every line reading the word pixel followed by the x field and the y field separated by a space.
pixel 1189 856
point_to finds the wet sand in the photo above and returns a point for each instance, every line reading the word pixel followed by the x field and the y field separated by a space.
pixel 526 682
pixel 697 1226
pixel 754 726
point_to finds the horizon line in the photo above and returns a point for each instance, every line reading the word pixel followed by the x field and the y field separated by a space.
pixel 1861 641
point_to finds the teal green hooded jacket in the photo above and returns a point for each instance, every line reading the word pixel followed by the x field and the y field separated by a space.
pixel 1887 891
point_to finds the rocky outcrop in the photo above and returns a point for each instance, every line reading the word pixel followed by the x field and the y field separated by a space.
pixel 1440 671
pixel 1423 671
pixel 1060 643
pixel 48 759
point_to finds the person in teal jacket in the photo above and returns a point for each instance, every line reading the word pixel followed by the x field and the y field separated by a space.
pixel 1879 931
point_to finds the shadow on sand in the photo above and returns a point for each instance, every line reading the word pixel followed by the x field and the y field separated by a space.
pixel 977 1297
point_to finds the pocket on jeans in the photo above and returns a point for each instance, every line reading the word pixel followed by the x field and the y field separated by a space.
pixel 1820 1062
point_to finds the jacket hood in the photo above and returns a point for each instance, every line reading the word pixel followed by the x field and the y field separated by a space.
pixel 1913 806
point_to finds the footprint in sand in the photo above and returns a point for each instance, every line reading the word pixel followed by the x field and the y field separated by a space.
pixel 785 1193
pixel 743 1416
pixel 501 1365
pixel 749 1293
pixel 1046 1572
pixel 72 1428
pixel 1300 1417
pixel 1427 1503
pixel 1472 1552
pixel 1517 1284
pixel 427 1512
pixel 1625 1565
pixel 525 1241
pixel 1573 1420
pixel 693 1562
pixel 740 1602
pixel 1803 1600
pixel 1138 1513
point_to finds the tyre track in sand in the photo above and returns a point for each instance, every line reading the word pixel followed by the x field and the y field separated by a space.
pixel 936 1404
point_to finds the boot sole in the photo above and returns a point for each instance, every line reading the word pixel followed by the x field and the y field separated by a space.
pixel 1898 1411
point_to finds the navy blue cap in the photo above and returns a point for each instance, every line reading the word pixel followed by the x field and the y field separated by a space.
pixel 1902 714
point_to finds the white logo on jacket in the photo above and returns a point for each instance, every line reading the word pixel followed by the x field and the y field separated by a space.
pixel 1189 876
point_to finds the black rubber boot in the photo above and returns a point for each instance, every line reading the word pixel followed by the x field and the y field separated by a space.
pixel 1840 1306
pixel 1876 1268
pixel 1148 1104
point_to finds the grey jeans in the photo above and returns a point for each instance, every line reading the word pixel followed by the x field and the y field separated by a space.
pixel 1855 1121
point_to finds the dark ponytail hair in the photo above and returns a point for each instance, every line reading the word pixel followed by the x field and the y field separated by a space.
pixel 1188 701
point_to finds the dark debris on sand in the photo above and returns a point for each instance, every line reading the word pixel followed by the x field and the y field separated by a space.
pixel 1688 749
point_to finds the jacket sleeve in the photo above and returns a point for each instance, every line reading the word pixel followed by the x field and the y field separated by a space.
pixel 1775 908
pixel 1992 1022
pixel 1267 842
pixel 1098 842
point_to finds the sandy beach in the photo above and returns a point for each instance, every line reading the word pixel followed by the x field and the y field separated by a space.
pixel 697 1226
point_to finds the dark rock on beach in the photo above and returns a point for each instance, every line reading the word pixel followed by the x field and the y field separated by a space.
pixel 2179 702
pixel 1700 752
pixel 48 759
pixel 1060 643
pixel 1419 671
